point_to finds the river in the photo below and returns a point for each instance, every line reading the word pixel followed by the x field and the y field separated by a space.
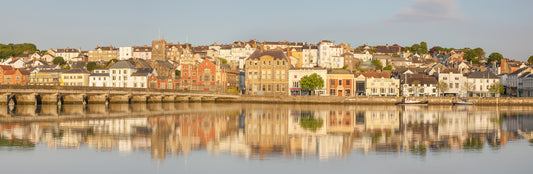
pixel 265 138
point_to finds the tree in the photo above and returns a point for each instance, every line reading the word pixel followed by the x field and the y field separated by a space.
pixel 312 82
pixel 495 57
pixel 470 55
pixel 377 63
pixel 91 66
pixel 11 49
pixel 224 61
pixel 423 48
pixel 177 73
pixel 467 87
pixel 66 67
pixel 530 60
pixel 479 52
pixel 497 88
pixel 388 67
pixel 442 87
pixel 59 61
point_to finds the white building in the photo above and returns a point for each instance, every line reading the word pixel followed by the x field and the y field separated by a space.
pixel 142 52
pixel 309 56
pixel 480 83
pixel 68 53
pixel 363 56
pixel 329 55
pixel 297 73
pixel 420 87
pixel 99 78
pixel 455 81
pixel 124 74
pixel 125 53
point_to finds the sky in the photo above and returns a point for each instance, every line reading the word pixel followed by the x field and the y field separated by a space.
pixel 494 25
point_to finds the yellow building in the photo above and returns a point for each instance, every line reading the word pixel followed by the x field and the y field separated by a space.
pixel 103 54
pixel 296 57
pixel 267 73
pixel 75 77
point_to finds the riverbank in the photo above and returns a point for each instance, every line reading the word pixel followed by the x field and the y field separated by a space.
pixel 364 100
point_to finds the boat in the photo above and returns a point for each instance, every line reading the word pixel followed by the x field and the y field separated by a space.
pixel 463 102
pixel 407 101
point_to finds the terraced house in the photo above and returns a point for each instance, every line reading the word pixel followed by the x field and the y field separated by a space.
pixel 103 53
pixel 267 73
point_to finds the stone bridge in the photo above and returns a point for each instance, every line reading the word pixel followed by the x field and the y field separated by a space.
pixel 20 95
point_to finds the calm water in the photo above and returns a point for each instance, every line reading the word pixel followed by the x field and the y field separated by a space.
pixel 265 138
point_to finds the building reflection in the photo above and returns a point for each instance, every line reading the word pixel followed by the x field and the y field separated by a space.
pixel 256 131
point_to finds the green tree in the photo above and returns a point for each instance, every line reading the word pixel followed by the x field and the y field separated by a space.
pixel 530 60
pixel 494 57
pixel 91 66
pixel 43 52
pixel 470 55
pixel 177 73
pixel 442 87
pixel 377 63
pixel 479 52
pixel 497 88
pixel 59 61
pixel 224 61
pixel 312 82
pixel 14 50
pixel 423 48
pixel 388 67
pixel 66 67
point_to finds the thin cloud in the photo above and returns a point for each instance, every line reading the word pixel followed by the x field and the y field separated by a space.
pixel 426 11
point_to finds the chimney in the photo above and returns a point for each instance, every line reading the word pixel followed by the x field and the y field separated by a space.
pixel 288 52
pixel 262 47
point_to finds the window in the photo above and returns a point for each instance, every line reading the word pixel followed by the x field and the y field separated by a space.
pixel 125 71
pixel 113 72
pixel 392 90
pixel 456 78
pixel 277 87
pixel 347 82
pixel 456 85
pixel 340 82
pixel 332 92
pixel 445 78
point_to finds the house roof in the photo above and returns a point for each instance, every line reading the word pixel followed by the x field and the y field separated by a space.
pixel 99 74
pixel 76 71
pixel 122 65
pixel 483 74
pixel 339 71
pixel 6 67
pixel 142 72
pixel 388 49
pixel 422 80
pixel 374 74
pixel 277 54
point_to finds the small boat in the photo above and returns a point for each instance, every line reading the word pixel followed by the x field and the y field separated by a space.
pixel 407 101
pixel 463 102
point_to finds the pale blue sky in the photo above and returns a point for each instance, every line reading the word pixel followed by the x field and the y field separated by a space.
pixel 495 25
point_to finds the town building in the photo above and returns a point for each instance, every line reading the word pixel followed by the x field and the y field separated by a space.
pixel 67 53
pixel 329 55
pixel 144 52
pixel 479 83
pixel 380 84
pixel 267 73
pixel 103 54
pixel 296 74
pixel 339 83
pixel 99 78
pixel 420 86
pixel 125 53
pixel 454 79
pixel 49 77
pixel 309 56
pixel 159 50
pixel 75 77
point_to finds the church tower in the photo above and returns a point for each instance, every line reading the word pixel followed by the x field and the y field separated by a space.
pixel 159 50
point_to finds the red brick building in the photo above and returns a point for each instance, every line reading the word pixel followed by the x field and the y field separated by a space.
pixel 14 76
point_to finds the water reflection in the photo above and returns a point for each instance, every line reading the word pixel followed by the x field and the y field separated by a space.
pixel 256 131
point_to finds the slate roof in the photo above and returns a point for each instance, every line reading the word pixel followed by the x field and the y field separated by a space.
pixel 339 71
pixel 374 74
pixel 142 72
pixel 277 54
pixel 6 67
pixel 483 75
pixel 422 80
pixel 99 74
pixel 76 71
pixel 388 49
pixel 122 65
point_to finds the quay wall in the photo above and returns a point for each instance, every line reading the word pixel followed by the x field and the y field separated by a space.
pixel 502 101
